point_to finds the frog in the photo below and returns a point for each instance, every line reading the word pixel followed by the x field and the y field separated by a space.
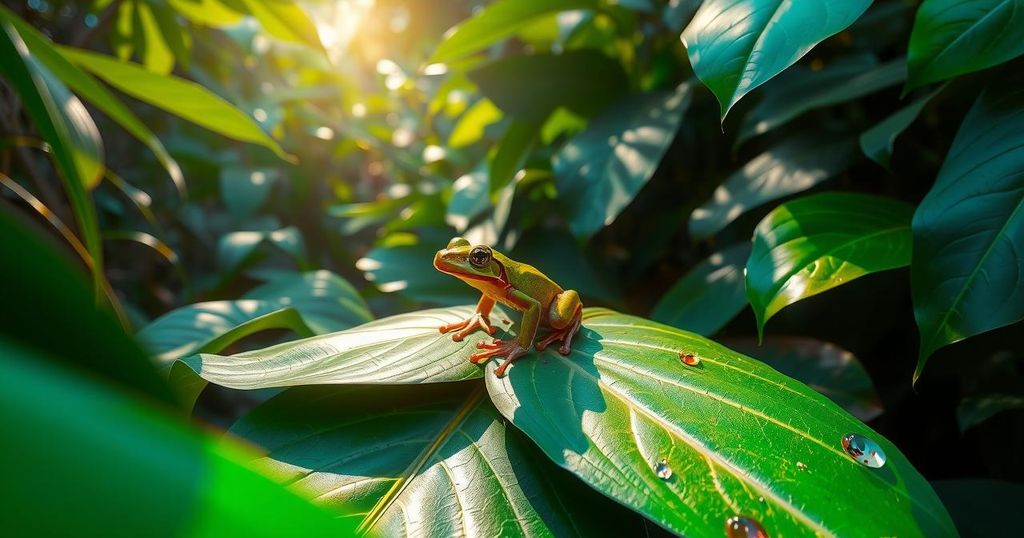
pixel 520 286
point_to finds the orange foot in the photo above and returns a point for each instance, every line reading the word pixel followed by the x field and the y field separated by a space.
pixel 510 349
pixel 565 334
pixel 467 326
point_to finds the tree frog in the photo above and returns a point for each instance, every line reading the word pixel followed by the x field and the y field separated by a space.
pixel 517 285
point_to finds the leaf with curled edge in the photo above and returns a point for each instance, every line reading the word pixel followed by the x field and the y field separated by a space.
pixel 622 410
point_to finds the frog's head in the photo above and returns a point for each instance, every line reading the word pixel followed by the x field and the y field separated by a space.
pixel 475 264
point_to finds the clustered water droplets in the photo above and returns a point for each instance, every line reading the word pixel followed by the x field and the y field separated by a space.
pixel 864 450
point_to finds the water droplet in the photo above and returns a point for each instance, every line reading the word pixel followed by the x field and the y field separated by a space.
pixel 663 471
pixel 864 450
pixel 760 499
pixel 689 359
pixel 801 465
pixel 744 527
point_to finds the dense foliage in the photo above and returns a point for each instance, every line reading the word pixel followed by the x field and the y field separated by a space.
pixel 256 188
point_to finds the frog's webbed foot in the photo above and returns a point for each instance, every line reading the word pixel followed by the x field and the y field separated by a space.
pixel 510 349
pixel 465 327
pixel 564 334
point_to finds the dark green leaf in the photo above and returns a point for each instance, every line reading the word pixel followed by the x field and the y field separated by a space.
pixel 737 436
pixel 818 242
pixel 953 37
pixel 498 21
pixel 180 97
pixel 530 87
pixel 737 45
pixel 245 190
pixel 511 154
pixel 792 166
pixel 709 296
pixel 877 142
pixel 156 54
pixel 969 229
pixel 435 460
pixel 326 301
pixel 236 248
pixel 407 270
pixel 601 169
pixel 975 410
pixel 470 198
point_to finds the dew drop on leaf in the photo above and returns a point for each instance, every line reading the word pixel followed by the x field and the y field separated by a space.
pixel 663 471
pixel 744 527
pixel 801 465
pixel 864 450
pixel 689 359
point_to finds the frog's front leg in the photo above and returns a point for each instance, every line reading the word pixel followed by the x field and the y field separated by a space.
pixel 480 319
pixel 512 349
pixel 564 317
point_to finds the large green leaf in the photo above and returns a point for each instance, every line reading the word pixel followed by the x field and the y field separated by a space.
pixel 511 154
pixel 244 189
pixel 953 37
pixel 407 348
pixel 692 446
pixel 737 45
pixel 792 166
pixel 877 142
pixel 177 96
pixel 977 409
pixel 66 126
pixel 471 125
pixel 969 229
pixel 435 460
pixel 530 87
pixel 236 248
pixel 498 21
pixel 94 92
pixel 601 169
pixel 818 242
pixel 800 91
pixel 326 301
pixel 284 19
pixel 709 296
pixel 119 466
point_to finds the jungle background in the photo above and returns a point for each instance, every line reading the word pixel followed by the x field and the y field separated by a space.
pixel 312 156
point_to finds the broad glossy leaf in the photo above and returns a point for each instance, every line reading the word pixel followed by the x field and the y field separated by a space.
pixel 244 189
pixel 120 466
pixel 470 127
pixel 877 142
pixel 815 243
pixel 402 349
pixel 236 248
pixel 709 296
pixel 530 87
pixel 737 45
pixel 326 301
pixel 407 270
pixel 823 366
pixel 178 96
pixel 969 229
pixel 799 91
pixel 89 89
pixel 953 37
pixel 512 152
pixel 285 19
pixel 975 410
pixel 498 21
pixel 601 169
pixel 434 460
pixel 66 126
pixel 734 435
pixel 792 166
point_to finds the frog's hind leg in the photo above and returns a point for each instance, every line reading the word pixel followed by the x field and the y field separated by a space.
pixel 564 317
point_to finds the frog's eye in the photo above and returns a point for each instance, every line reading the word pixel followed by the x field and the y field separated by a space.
pixel 457 242
pixel 480 256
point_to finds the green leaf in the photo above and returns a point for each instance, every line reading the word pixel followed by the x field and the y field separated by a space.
pixel 737 45
pixel 244 189
pixel 498 21
pixel 969 229
pixel 512 152
pixel 66 126
pixel 402 349
pixel 209 12
pixel 799 91
pixel 530 87
pixel 709 296
pixel 156 54
pixel 601 169
pixel 877 142
pixel 285 20
pixel 135 469
pixel 975 410
pixel 954 37
pixel 175 35
pixel 821 241
pixel 177 96
pixel 407 270
pixel 89 89
pixel 470 198
pixel 470 127
pixel 792 166
pixel 823 366
pixel 435 460
pixel 737 436
pixel 237 248
pixel 326 301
